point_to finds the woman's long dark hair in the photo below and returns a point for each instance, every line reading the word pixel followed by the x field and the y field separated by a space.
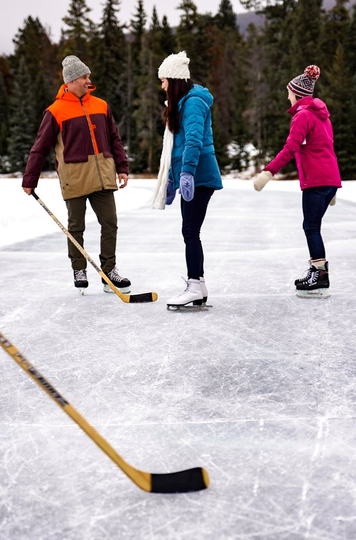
pixel 177 88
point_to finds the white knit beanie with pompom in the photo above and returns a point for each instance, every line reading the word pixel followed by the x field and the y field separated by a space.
pixel 175 66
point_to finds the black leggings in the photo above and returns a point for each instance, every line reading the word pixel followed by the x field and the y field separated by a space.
pixel 315 203
pixel 193 215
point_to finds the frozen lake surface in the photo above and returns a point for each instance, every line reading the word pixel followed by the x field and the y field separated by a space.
pixel 260 390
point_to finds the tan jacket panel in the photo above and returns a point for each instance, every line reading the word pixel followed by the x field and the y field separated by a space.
pixel 78 179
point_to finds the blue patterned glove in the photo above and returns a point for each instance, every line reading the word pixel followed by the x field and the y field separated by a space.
pixel 186 186
pixel 171 192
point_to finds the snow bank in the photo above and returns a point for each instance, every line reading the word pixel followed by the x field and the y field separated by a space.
pixel 22 218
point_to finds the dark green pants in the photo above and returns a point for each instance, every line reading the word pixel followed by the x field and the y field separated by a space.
pixel 103 204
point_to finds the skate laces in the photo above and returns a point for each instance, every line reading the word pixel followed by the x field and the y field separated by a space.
pixel 187 286
pixel 114 275
pixel 314 274
pixel 80 275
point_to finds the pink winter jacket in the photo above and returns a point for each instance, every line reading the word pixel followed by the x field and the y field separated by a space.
pixel 310 141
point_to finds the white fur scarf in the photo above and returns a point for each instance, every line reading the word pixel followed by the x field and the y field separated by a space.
pixel 159 200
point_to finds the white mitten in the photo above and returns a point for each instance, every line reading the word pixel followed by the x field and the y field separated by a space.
pixel 261 180
pixel 333 200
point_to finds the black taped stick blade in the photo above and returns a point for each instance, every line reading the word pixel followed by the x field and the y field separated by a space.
pixel 180 482
pixel 143 298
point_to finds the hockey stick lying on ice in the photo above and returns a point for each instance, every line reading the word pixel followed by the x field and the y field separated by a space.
pixel 178 482
pixel 127 298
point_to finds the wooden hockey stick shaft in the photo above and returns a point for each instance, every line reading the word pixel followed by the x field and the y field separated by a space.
pixel 127 298
pixel 179 482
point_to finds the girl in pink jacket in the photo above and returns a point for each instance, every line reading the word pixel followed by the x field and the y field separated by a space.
pixel 310 142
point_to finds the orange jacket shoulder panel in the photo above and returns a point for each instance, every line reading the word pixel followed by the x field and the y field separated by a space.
pixel 68 106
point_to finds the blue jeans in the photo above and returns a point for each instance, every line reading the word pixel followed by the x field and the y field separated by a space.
pixel 193 215
pixel 315 203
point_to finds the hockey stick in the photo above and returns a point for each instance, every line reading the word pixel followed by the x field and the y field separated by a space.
pixel 178 482
pixel 127 298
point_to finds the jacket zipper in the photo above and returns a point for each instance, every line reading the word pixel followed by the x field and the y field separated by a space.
pixel 92 141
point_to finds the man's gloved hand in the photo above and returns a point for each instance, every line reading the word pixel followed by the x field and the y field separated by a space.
pixel 171 192
pixel 333 200
pixel 186 186
pixel 261 180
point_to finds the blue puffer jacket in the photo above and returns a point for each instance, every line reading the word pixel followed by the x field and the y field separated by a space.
pixel 193 148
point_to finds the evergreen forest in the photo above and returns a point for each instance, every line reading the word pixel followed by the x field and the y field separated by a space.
pixel 247 74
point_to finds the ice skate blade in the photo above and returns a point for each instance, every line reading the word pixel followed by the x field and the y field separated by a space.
pixel 316 293
pixel 123 290
pixel 81 291
pixel 191 307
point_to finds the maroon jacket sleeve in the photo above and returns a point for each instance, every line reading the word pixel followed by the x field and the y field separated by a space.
pixel 117 149
pixel 298 132
pixel 46 138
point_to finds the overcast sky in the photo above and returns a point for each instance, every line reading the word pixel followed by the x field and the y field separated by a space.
pixel 51 14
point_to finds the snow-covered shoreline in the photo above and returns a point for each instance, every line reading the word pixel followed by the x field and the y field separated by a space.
pixel 21 218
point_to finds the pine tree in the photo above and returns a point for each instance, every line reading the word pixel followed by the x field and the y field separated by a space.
pixel 334 31
pixel 76 37
pixel 6 81
pixel 194 38
pixel 350 43
pixel 167 39
pixel 338 93
pixel 277 73
pixel 187 30
pixel 134 72
pixel 337 84
pixel 138 24
pixel 188 23
pixel 256 107
pixel 33 45
pixel 226 80
pixel 109 64
pixel 226 17
pixel 350 60
pixel 21 120
pixel 4 123
pixel 148 114
pixel 305 39
pixel 6 73
pixel 240 134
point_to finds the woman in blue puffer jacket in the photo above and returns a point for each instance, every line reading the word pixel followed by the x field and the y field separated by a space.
pixel 193 166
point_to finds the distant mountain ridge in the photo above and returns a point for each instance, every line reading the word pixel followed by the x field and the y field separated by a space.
pixel 251 17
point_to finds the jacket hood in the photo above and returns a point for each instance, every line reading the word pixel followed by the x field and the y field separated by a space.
pixel 198 91
pixel 316 106
pixel 63 93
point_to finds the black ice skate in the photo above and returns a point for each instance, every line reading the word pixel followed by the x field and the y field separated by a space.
pixel 123 284
pixel 317 286
pixel 80 280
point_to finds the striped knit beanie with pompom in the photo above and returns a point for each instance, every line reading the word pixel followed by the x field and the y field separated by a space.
pixel 303 85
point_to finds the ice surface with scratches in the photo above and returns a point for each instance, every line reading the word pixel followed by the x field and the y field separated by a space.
pixel 260 389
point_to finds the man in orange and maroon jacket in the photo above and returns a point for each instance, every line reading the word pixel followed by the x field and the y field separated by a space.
pixel 89 155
